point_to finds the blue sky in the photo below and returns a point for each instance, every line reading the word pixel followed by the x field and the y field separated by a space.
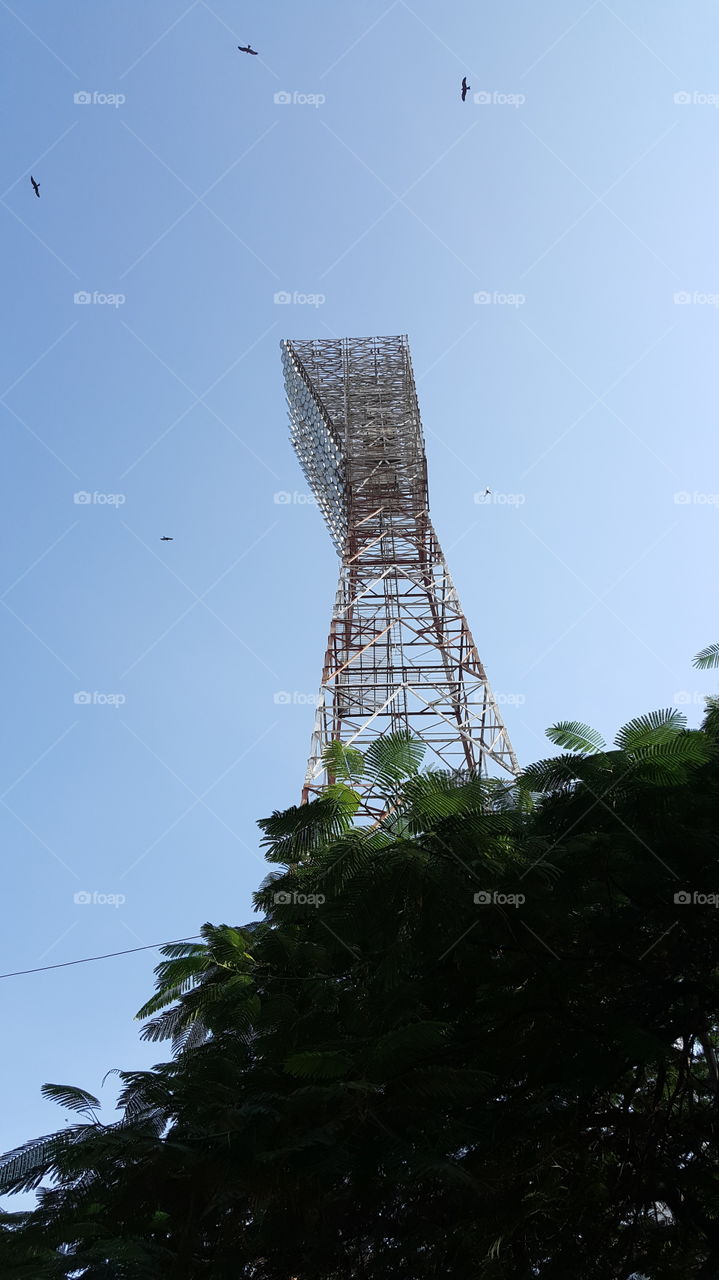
pixel 591 400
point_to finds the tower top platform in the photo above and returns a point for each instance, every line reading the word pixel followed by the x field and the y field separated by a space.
pixel 356 428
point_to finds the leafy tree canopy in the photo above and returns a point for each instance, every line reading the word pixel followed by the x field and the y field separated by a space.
pixel 476 1038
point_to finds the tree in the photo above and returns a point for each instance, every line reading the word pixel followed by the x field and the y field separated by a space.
pixel 476 1038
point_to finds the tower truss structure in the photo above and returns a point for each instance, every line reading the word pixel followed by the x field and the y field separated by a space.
pixel 400 654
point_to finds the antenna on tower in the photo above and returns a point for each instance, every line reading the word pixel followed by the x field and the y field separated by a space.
pixel 400 654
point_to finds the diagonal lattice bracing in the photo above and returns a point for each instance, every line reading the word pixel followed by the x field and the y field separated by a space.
pixel 400 655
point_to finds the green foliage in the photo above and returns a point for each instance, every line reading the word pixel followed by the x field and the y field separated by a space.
pixel 23 1168
pixel 477 1037
pixel 391 759
pixel 707 658
pixel 651 730
pixel 576 736
pixel 292 835
pixel 318 1065
pixel 345 763
pixel 67 1095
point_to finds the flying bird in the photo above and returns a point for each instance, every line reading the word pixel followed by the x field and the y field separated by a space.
pixel 35 186
pixel 486 492
pixel 165 538
pixel 465 88
pixel 246 48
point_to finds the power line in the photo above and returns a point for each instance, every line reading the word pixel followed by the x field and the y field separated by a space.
pixel 108 956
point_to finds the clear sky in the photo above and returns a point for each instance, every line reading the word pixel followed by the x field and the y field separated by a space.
pixel 581 187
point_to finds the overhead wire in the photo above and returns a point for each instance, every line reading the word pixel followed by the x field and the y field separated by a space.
pixel 150 946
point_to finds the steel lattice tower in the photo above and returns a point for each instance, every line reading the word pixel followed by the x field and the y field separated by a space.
pixel 400 654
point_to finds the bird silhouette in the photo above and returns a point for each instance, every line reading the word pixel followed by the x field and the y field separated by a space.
pixel 465 88
pixel 35 186
pixel 486 492
pixel 165 538
pixel 246 48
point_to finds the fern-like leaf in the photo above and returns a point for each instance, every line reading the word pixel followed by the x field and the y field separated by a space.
pixel 707 658
pixel 651 729
pixel 317 1065
pixel 391 758
pixel 166 996
pixel 401 1048
pixel 228 948
pixel 30 1161
pixel 290 835
pixel 67 1095
pixel 190 1037
pixel 667 762
pixel 343 762
pixel 559 773
pixel 168 1025
pixel 576 737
